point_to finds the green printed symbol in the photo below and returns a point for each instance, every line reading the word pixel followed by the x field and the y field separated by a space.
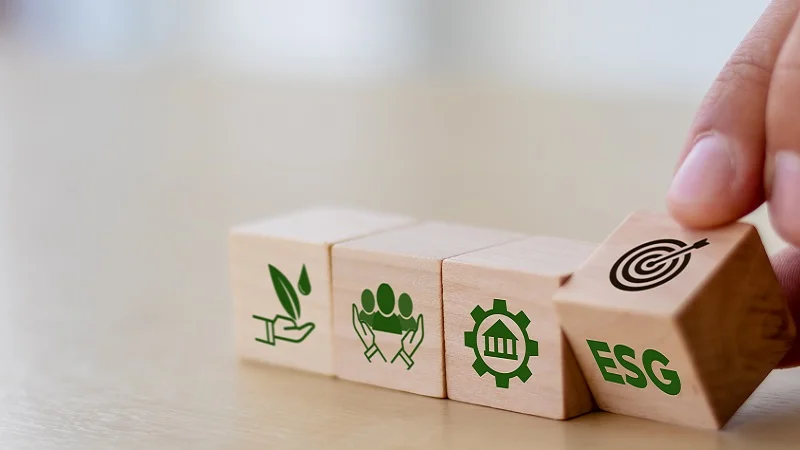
pixel 281 327
pixel 387 322
pixel 502 333
pixel 669 382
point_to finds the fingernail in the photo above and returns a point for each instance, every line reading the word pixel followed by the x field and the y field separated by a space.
pixel 707 172
pixel 785 194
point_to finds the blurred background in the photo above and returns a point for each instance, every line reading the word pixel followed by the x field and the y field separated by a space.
pixel 134 133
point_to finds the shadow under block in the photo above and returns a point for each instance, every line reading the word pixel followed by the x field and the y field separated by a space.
pixel 387 304
pixel 676 325
pixel 503 342
pixel 281 285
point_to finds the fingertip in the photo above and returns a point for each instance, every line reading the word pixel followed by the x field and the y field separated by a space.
pixel 784 201
pixel 693 216
pixel 784 228
pixel 718 182
pixel 702 215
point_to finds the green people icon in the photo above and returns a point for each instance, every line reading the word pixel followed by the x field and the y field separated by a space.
pixel 501 344
pixel 281 327
pixel 387 322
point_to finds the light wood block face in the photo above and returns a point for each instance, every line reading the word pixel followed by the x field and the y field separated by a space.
pixel 489 364
pixel 387 295
pixel 676 325
pixel 281 283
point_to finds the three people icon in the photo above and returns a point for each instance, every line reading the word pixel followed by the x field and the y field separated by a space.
pixel 385 318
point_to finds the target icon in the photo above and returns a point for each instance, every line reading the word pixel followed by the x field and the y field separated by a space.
pixel 652 264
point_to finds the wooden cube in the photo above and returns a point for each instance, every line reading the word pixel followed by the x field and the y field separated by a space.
pixel 676 325
pixel 281 284
pixel 387 304
pixel 503 342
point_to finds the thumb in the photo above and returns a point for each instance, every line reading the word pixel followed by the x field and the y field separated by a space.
pixel 719 178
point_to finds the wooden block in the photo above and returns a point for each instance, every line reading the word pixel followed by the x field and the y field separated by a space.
pixel 387 297
pixel 281 284
pixel 676 325
pixel 503 342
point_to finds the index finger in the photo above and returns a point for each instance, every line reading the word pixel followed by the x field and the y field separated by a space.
pixel 720 172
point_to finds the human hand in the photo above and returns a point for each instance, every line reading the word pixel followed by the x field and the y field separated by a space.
pixel 743 147
pixel 410 343
pixel 367 337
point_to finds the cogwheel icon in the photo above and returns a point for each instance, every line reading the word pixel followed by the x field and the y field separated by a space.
pixel 499 334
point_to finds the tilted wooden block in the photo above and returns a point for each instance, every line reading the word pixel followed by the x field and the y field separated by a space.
pixel 387 296
pixel 675 325
pixel 281 284
pixel 503 342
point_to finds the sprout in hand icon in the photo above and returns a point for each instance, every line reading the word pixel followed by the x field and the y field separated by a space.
pixel 282 327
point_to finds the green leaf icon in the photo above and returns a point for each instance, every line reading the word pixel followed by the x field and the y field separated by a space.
pixel 304 285
pixel 285 292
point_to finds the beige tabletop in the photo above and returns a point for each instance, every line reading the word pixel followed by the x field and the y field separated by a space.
pixel 128 362
pixel 116 327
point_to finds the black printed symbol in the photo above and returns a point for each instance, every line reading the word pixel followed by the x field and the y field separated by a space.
pixel 652 264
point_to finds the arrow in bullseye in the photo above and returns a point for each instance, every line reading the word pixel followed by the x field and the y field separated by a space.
pixel 699 244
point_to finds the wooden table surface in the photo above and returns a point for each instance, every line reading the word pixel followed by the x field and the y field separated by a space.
pixel 116 323
pixel 123 362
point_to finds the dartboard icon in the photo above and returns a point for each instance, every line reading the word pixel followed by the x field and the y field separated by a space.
pixel 652 264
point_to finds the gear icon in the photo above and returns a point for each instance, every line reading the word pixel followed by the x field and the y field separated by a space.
pixel 499 308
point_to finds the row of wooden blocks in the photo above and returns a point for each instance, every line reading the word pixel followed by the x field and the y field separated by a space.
pixel 658 321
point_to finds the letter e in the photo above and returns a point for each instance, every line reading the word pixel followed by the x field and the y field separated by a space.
pixel 602 362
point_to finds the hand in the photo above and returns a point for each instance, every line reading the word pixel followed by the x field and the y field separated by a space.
pixel 285 329
pixel 744 146
pixel 410 343
pixel 367 337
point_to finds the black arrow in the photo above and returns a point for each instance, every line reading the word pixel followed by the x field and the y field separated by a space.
pixel 699 244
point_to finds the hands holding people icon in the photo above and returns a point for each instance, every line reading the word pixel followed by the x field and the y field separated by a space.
pixel 384 319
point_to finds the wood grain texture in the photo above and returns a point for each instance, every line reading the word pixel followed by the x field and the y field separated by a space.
pixel 322 225
pixel 752 328
pixel 124 340
pixel 687 351
pixel 525 274
pixel 152 365
pixel 408 260
pixel 287 245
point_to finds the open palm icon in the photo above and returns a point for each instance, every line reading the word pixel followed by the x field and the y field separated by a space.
pixel 410 343
pixel 367 336
pixel 284 329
